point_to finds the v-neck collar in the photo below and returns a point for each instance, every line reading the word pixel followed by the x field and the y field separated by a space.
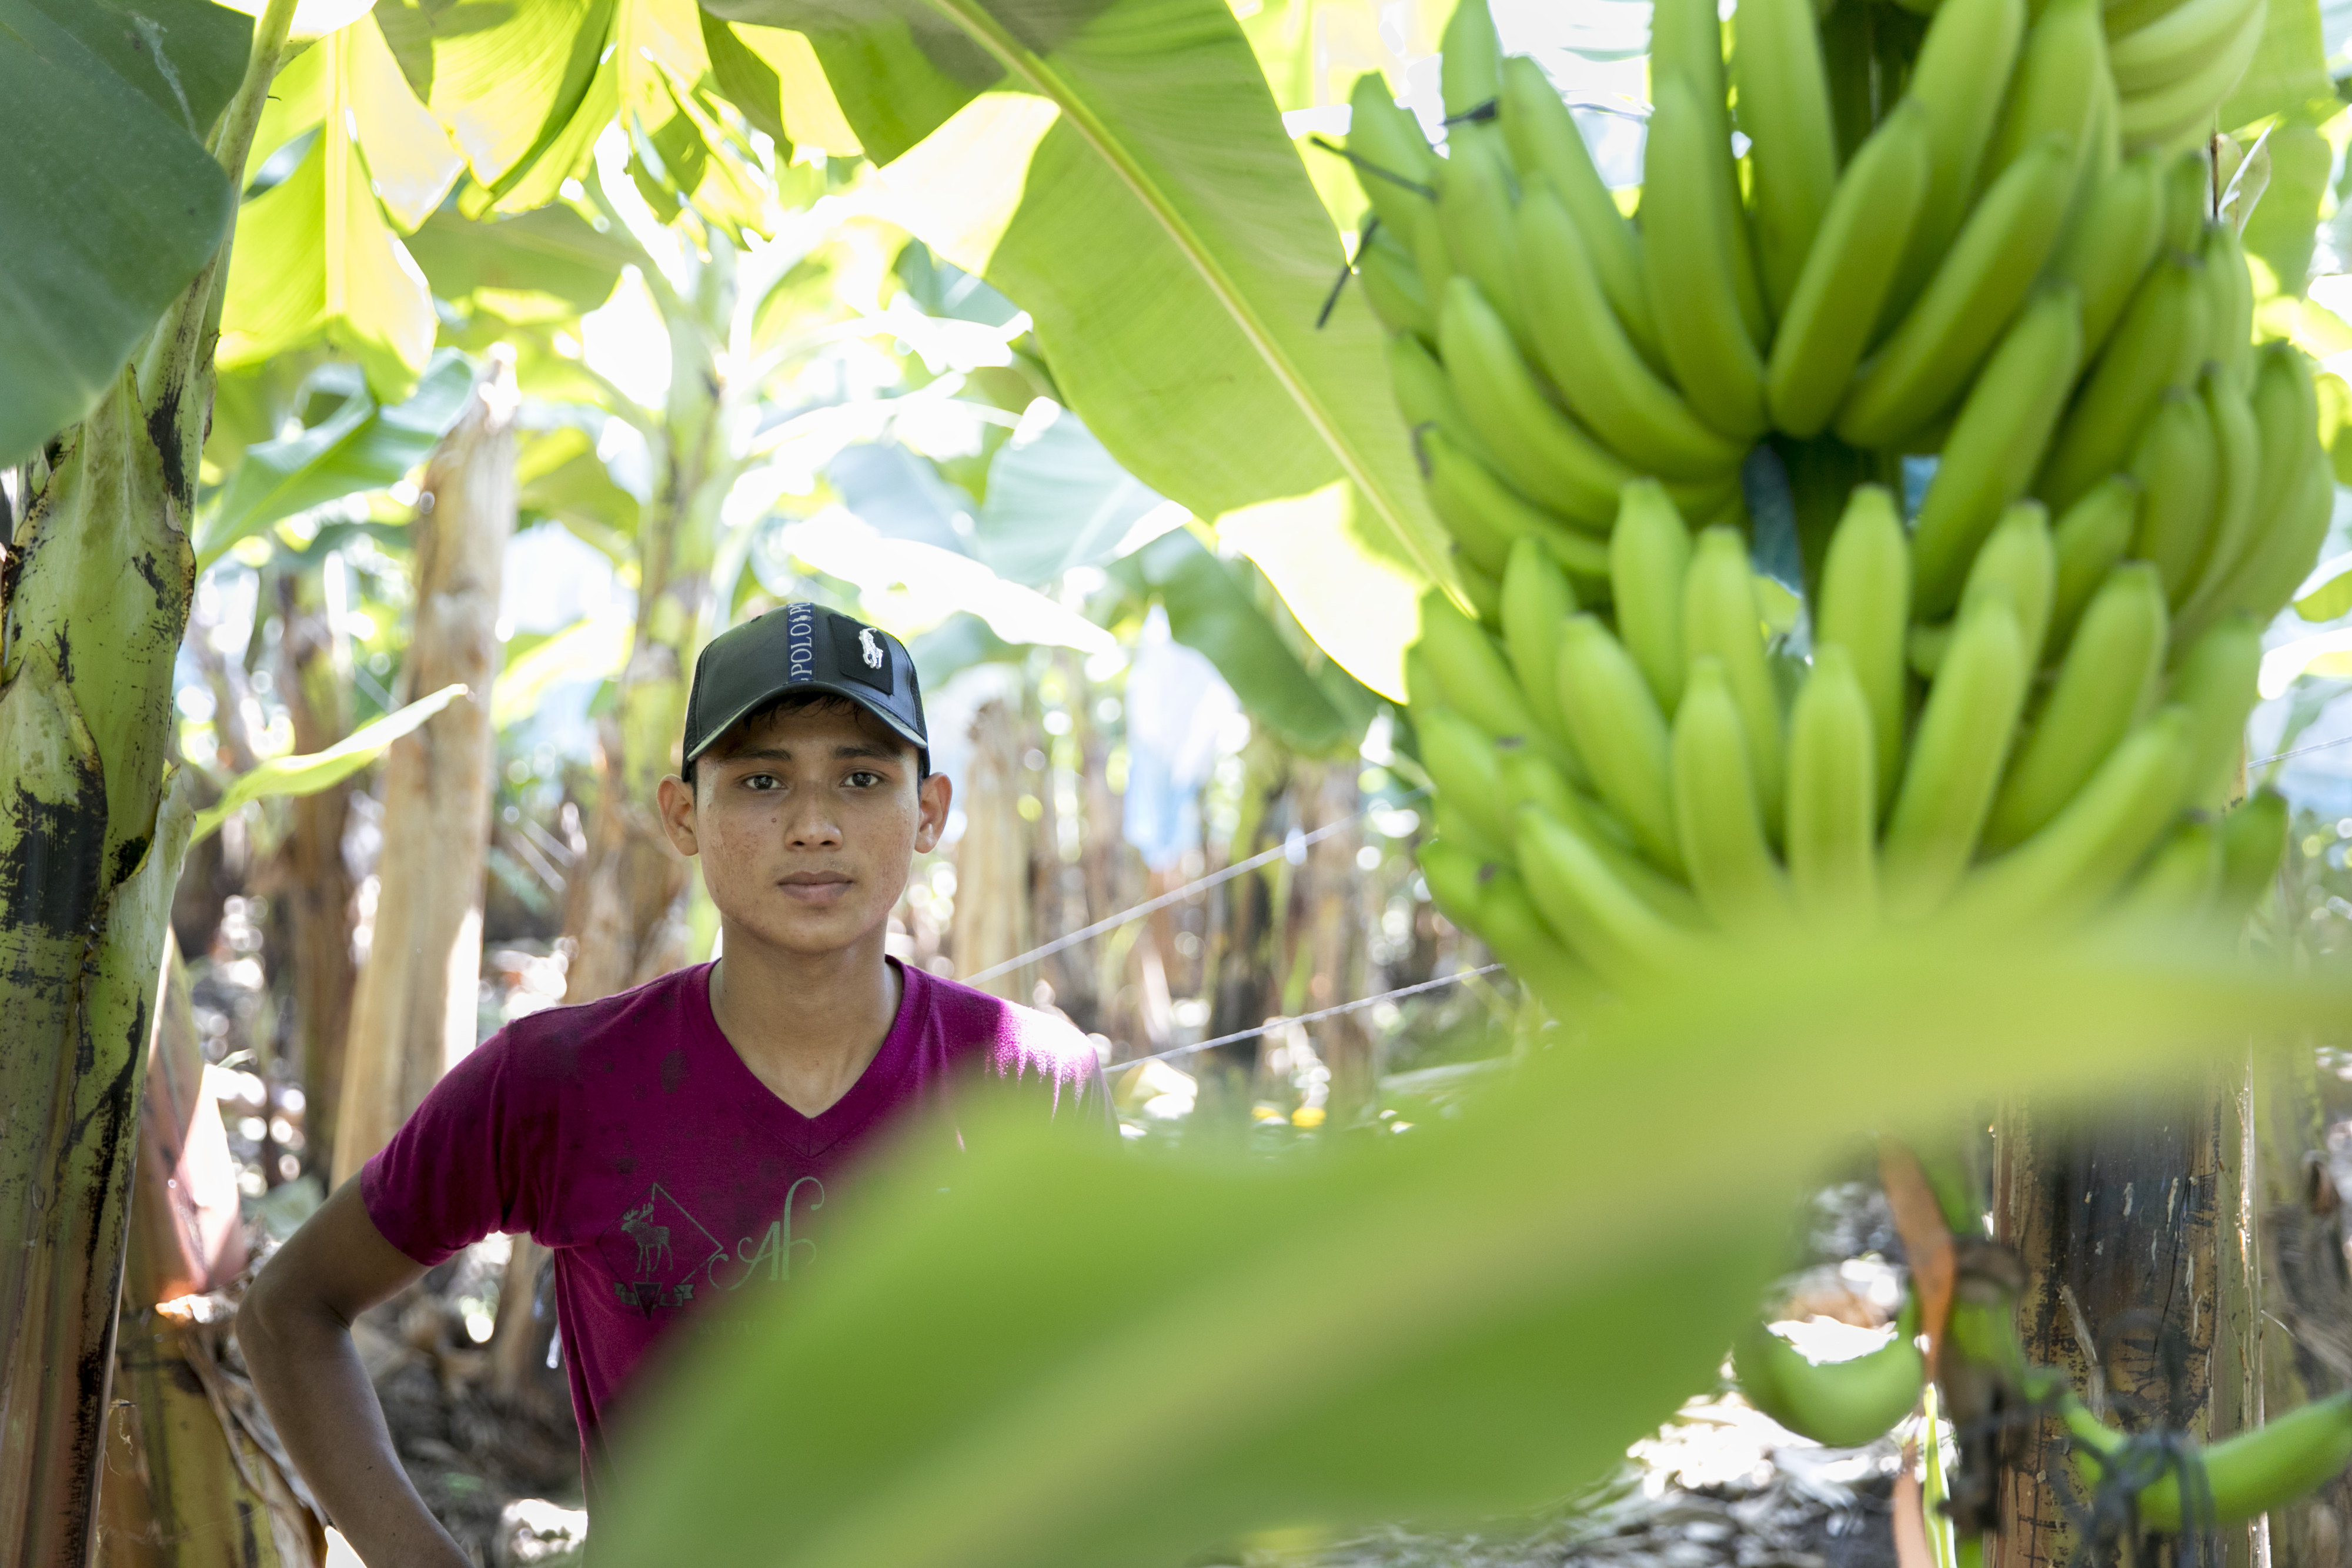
pixel 775 1116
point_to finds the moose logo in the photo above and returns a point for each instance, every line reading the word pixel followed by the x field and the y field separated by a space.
pixel 656 1252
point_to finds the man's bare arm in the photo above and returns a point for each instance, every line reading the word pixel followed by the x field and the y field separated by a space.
pixel 294 1328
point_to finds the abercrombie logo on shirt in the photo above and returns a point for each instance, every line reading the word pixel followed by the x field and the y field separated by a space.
pixel 659 1253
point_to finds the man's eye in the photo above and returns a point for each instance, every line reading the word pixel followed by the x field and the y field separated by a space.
pixel 760 782
pixel 864 779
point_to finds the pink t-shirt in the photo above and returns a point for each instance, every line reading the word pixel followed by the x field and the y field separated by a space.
pixel 630 1138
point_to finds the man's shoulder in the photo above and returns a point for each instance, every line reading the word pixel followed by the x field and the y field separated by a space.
pixel 557 1042
pixel 1013 1040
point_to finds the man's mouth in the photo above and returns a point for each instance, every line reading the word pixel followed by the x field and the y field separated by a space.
pixel 814 886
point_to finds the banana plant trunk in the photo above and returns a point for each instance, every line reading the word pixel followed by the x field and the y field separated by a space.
pixel 2136 1240
pixel 625 922
pixel 90 841
pixel 413 1012
pixel 313 906
pixel 1243 973
pixel 992 912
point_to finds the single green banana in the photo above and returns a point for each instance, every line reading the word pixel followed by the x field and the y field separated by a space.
pixel 1721 617
pixel 2164 117
pixel 1426 398
pixel 1547 455
pixel 1932 355
pixel 2232 323
pixel 2237 475
pixel 1724 845
pixel 1687 48
pixel 2214 683
pixel 2270 573
pixel 1544 139
pixel 2089 539
pixel 1394 161
pixel 2253 840
pixel 1537 599
pixel 1455 827
pixel 1837 1404
pixel 1469 61
pixel 2062 872
pixel 1475 203
pixel 1481 589
pixel 1487 518
pixel 1606 383
pixel 2054 92
pixel 1955 763
pixel 1963 70
pixel 2175 464
pixel 2177 885
pixel 1531 780
pixel 2017 565
pixel 2105 684
pixel 1996 445
pixel 2159 345
pixel 2109 243
pixel 1453 874
pixel 1826 316
pixel 1832 795
pixel 1433 258
pixel 2244 1476
pixel 1865 605
pixel 1689 238
pixel 1649 554
pixel 1616 726
pixel 1469 672
pixel 1513 930
pixel 1602 920
pixel 2170 46
pixel 1782 90
pixel 1393 285
pixel 2188 198
pixel 1461 762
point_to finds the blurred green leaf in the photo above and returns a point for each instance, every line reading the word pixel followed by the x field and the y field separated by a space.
pixel 1141 130
pixel 553 252
pixel 315 258
pixel 2288 74
pixel 309 774
pixel 2331 598
pixel 186 56
pixel 1211 609
pixel 113 204
pixel 509 91
pixel 360 447
pixel 997 1369
pixel 587 650
pixel 1056 499
pixel 2283 227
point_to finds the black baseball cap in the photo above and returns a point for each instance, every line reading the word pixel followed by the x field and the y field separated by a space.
pixel 798 648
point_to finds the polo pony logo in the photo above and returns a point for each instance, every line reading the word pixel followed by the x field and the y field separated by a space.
pixel 868 645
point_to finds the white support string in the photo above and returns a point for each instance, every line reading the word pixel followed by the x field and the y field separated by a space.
pixel 1288 846
pixel 1272 1024
pixel 2301 751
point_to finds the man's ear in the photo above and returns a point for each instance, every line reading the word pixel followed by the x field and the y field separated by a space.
pixel 932 795
pixel 675 798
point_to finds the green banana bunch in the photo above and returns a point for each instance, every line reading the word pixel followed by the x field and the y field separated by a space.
pixel 1990 710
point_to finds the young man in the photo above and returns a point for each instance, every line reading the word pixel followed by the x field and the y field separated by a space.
pixel 689 1140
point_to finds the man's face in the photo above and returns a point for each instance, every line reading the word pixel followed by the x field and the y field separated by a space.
pixel 806 821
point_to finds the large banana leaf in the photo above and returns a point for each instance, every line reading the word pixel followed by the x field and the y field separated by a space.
pixel 360 447
pixel 1002 1367
pixel 317 771
pixel 1120 169
pixel 113 203
pixel 315 256
pixel 1211 608
pixel 1056 499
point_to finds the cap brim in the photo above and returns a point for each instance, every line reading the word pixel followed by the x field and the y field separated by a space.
pixel 856 694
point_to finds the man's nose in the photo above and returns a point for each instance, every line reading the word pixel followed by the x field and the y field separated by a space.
pixel 808 822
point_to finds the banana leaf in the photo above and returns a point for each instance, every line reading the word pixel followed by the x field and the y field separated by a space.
pixel 317 771
pixel 1001 1366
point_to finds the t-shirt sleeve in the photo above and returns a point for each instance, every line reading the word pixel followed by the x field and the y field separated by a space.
pixel 456 1171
